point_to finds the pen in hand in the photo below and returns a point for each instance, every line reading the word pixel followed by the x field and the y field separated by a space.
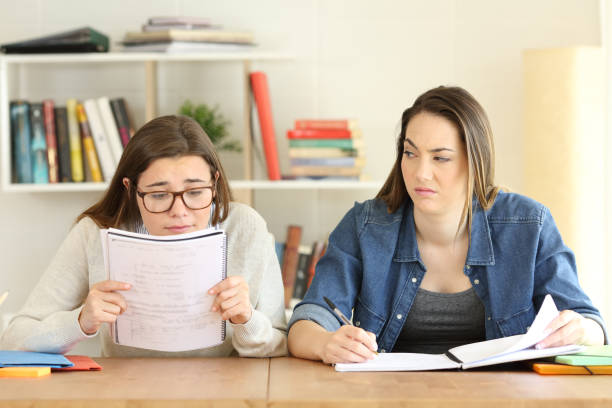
pixel 341 315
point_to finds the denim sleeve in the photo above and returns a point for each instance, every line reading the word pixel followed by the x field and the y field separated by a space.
pixel 556 273
pixel 338 274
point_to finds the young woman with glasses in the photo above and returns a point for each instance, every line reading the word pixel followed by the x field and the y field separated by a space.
pixel 169 181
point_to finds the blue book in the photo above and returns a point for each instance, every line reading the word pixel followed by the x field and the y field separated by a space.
pixel 21 134
pixel 10 358
pixel 40 168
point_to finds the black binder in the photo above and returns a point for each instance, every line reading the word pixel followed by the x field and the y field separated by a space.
pixel 84 39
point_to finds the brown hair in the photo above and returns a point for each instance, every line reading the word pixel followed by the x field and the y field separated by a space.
pixel 460 108
pixel 166 136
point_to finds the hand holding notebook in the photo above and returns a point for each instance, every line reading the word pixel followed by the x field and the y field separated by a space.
pixel 168 305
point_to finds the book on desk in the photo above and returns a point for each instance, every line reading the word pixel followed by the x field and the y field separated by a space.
pixel 484 353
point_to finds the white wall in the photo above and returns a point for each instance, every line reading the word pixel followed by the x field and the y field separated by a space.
pixel 362 59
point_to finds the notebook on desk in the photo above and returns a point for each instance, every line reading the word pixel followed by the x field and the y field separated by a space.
pixel 168 302
pixel 484 353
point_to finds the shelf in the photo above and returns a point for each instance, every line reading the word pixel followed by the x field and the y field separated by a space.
pixel 143 56
pixel 304 185
pixel 235 185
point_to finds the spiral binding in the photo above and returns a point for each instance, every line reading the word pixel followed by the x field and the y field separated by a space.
pixel 224 275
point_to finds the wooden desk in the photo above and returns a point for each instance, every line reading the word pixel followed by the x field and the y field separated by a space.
pixel 300 383
pixel 290 382
pixel 135 383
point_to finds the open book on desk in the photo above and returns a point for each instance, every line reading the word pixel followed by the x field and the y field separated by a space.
pixel 168 305
pixel 483 353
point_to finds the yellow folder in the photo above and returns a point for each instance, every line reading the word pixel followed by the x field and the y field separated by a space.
pixel 24 371
pixel 561 369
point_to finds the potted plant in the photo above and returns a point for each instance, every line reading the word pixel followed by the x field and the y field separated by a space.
pixel 213 123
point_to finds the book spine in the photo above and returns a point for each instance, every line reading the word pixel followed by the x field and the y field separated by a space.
pixel 301 274
pixel 74 137
pixel 340 124
pixel 105 155
pixel 110 127
pixel 321 134
pixel 328 161
pixel 306 152
pixel 40 168
pixel 290 260
pixel 338 143
pixel 88 144
pixel 121 122
pixel 52 159
pixel 63 145
pixel 22 135
pixel 123 108
pixel 259 84
pixel 325 171
pixel 318 250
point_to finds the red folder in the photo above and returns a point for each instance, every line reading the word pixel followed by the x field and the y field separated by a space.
pixel 81 363
pixel 259 85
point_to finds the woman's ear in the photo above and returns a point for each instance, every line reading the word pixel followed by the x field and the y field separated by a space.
pixel 126 183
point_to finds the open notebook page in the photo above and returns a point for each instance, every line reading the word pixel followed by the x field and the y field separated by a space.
pixel 168 305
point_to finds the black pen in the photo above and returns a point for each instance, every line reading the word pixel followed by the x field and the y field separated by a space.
pixel 340 314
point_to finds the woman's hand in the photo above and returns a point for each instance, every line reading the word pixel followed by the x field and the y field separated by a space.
pixel 102 305
pixel 572 328
pixel 349 344
pixel 232 300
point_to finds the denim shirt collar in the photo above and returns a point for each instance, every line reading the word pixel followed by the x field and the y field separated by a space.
pixel 480 251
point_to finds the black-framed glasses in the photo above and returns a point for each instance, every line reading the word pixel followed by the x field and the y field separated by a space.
pixel 196 198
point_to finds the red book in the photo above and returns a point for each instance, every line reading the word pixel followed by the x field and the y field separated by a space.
pixel 322 134
pixel 346 124
pixel 259 85
pixel 290 260
pixel 52 159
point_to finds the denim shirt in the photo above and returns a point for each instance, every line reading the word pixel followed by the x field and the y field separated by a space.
pixel 372 268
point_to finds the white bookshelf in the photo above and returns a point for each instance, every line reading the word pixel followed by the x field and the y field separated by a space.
pixel 234 185
pixel 10 65
pixel 9 75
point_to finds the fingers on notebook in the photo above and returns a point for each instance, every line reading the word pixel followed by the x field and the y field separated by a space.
pixel 567 328
pixel 350 344
pixel 110 286
pixel 232 300
pixel 226 283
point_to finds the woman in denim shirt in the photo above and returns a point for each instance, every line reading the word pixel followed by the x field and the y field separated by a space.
pixel 441 257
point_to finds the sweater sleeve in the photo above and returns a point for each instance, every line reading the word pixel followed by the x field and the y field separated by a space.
pixel 48 322
pixel 251 254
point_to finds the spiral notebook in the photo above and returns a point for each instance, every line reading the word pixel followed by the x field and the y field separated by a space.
pixel 168 305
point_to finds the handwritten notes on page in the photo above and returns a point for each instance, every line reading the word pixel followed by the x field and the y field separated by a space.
pixel 168 305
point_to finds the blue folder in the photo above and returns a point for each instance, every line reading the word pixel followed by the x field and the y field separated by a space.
pixel 31 359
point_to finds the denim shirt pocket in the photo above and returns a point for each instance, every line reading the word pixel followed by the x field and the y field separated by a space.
pixel 518 323
pixel 367 319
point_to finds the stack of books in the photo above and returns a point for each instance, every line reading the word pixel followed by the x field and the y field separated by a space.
pixel 298 261
pixel 186 34
pixel 330 149
pixel 79 141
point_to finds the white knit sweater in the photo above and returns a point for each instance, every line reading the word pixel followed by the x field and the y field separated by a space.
pixel 49 320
